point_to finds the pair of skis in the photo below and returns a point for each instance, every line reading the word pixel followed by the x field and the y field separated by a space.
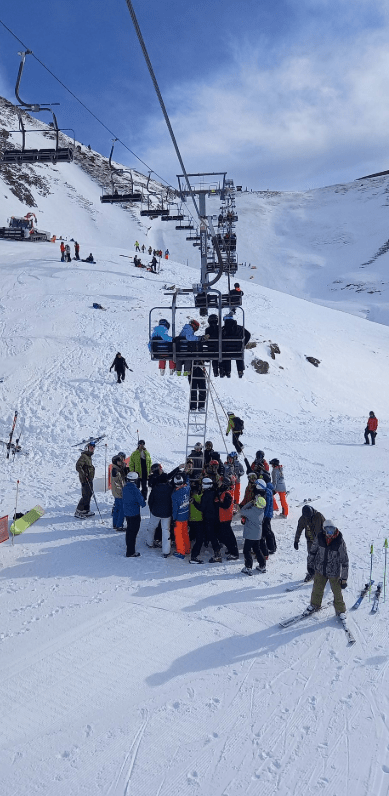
pixel 12 447
pixel 89 440
pixel 307 613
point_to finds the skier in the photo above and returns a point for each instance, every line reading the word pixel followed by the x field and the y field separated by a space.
pixel 198 388
pixel 252 517
pixel 119 364
pixel 231 332
pixel 259 466
pixel 167 254
pixel 187 333
pixel 140 462
pixel 160 505
pixel 371 428
pixel 62 249
pixel 133 501
pixel 236 425
pixel 160 332
pixel 210 511
pixel 225 501
pixel 86 474
pixel 118 479
pixel 143 247
pixel 68 257
pixel 328 559
pixel 150 251
pixel 278 481
pixel 137 247
pixel 180 516
pixel 212 331
pixel 311 521
pixel 209 453
pixel 198 457
pixel 76 250
pixel 233 467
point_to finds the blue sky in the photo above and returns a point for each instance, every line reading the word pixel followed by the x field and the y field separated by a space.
pixel 282 95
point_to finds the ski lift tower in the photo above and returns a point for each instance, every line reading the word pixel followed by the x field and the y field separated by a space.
pixel 203 185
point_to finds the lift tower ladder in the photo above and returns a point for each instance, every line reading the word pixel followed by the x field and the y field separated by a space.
pixel 196 428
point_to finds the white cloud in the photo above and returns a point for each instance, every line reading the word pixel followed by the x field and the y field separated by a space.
pixel 313 117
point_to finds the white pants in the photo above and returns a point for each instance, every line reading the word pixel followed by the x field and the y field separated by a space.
pixel 165 525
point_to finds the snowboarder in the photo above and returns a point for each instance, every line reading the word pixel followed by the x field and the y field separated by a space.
pixel 198 388
pixel 89 259
pixel 371 428
pixel 328 559
pixel 233 467
pixel 236 425
pixel 140 462
pixel 62 249
pixel 252 516
pixel 132 504
pixel 119 364
pixel 311 521
pixel 76 250
pixel 86 474
pixel 160 332
pixel 180 516
pixel 137 247
pixel 278 481
pixel 118 479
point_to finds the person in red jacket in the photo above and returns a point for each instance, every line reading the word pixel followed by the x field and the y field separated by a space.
pixel 62 248
pixel 371 428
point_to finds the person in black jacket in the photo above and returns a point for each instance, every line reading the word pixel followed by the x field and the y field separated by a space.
pixel 213 333
pixel 232 333
pixel 120 365
pixel 160 505
pixel 209 453
pixel 198 389
pixel 210 512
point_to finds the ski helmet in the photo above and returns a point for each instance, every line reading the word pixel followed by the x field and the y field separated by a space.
pixel 195 324
pixel 329 527
pixel 121 454
pixel 232 455
pixel 198 446
pixel 213 319
pixel 209 443
pixel 260 455
pixel 307 512
pixel 371 414
pixel 207 483
pixel 132 477
pixel 155 468
pixel 252 476
pixel 275 462
pixel 226 481
pixel 164 322
pixel 214 462
pixel 260 484
pixel 178 480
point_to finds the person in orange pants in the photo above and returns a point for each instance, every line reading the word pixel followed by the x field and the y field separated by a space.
pixel 279 486
pixel 180 516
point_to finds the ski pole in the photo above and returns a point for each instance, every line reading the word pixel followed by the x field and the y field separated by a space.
pixel 105 469
pixel 385 570
pixel 93 493
pixel 371 568
pixel 137 431
pixel 16 508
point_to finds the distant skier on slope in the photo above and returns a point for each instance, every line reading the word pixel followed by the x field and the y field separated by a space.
pixel 236 425
pixel 371 428
pixel 86 474
pixel 120 365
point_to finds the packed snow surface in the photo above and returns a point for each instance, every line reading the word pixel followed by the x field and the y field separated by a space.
pixel 149 676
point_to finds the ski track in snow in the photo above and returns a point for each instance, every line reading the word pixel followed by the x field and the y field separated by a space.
pixel 143 676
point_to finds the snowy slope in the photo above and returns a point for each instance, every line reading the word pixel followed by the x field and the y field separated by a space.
pixel 143 676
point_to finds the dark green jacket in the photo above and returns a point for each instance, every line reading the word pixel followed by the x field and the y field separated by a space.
pixel 311 527
pixel 85 468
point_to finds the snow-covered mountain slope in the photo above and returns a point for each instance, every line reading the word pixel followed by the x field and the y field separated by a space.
pixel 142 675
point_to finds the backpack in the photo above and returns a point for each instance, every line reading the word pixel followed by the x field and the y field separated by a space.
pixel 238 424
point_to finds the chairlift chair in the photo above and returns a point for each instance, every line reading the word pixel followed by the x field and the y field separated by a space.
pixel 46 155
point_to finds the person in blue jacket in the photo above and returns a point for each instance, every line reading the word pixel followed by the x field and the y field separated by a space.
pixel 187 333
pixel 180 516
pixel 161 332
pixel 267 491
pixel 133 501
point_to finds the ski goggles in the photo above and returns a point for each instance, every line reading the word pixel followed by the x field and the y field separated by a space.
pixel 329 530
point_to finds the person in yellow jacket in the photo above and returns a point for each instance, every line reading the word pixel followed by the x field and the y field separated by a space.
pixel 140 462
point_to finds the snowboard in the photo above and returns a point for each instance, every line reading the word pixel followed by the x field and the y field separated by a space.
pixel 20 525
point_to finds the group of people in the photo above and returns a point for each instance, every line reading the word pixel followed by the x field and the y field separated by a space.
pixel 66 256
pixel 152 266
pixel 150 250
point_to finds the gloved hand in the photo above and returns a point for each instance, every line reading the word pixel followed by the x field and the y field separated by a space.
pixel 296 545
pixel 243 520
pixel 343 583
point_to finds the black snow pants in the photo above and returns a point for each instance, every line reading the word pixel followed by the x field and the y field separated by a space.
pixel 373 435
pixel 133 525
pixel 196 532
pixel 253 545
pixel 86 494
pixel 121 375
pixel 268 534
pixel 227 537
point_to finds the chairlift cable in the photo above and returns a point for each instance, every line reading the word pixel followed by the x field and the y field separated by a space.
pixel 161 102
pixel 217 418
pixel 85 106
